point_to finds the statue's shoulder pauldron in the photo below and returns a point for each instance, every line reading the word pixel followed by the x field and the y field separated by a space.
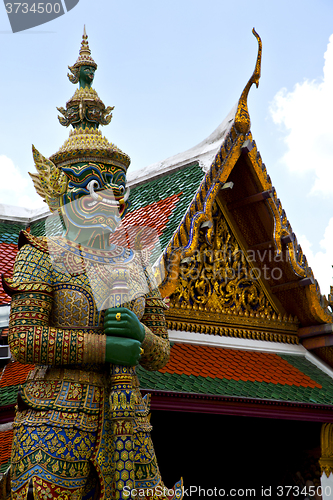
pixel 38 242
pixel 33 251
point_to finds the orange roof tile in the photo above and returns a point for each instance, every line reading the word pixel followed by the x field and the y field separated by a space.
pixel 155 215
pixel 234 364
pixel 8 253
pixel 6 438
pixel 14 373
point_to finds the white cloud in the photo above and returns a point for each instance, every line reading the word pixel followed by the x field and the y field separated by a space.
pixel 306 113
pixel 16 189
pixel 321 262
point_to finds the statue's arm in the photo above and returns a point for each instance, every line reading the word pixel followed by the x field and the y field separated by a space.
pixel 156 343
pixel 31 338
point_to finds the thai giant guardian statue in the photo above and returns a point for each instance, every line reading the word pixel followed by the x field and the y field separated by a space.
pixel 85 310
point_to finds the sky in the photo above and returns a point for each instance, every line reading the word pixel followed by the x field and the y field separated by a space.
pixel 173 70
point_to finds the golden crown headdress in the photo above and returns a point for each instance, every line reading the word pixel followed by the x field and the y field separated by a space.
pixel 85 111
pixel 84 59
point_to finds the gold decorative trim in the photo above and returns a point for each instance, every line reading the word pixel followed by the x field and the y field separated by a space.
pixel 326 443
pixel 219 279
pixel 38 242
pixel 11 287
pixel 226 318
pixel 94 348
pixel 318 304
pixel 67 375
pixel 89 143
pixel 267 295
pixel 222 331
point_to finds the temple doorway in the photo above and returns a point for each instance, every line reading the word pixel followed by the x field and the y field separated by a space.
pixel 240 456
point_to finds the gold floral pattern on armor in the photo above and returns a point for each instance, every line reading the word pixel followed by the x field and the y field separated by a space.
pixel 70 308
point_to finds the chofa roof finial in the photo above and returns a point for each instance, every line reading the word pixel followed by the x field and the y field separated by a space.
pixel 242 119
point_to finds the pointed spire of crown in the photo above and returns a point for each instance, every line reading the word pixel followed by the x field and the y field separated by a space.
pixel 84 59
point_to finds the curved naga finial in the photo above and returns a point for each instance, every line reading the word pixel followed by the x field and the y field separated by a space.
pixel 242 119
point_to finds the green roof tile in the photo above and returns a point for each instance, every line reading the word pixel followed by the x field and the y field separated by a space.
pixel 51 225
pixel 4 467
pixel 239 388
pixel 185 181
pixel 8 395
pixel 9 232
pixel 38 228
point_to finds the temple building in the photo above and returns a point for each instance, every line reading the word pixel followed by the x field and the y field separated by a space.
pixel 246 398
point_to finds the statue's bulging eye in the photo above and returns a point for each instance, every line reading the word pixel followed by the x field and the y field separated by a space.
pixel 92 185
pixel 122 189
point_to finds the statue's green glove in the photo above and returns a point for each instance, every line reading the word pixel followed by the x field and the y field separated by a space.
pixel 122 351
pixel 121 322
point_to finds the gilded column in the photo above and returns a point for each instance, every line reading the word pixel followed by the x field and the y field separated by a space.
pixel 326 460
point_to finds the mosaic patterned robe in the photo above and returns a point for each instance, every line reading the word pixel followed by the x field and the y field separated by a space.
pixel 62 430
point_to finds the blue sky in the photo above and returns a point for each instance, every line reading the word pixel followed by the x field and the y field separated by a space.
pixel 173 70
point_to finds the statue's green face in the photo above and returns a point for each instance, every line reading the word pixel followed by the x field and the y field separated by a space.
pixel 86 76
pixel 96 196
